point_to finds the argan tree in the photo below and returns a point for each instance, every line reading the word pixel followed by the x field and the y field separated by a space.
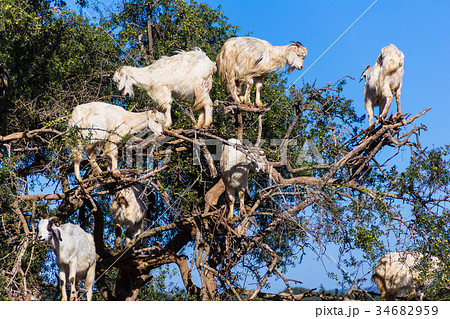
pixel 328 181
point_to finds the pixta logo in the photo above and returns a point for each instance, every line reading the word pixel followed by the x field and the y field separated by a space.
pixel 141 149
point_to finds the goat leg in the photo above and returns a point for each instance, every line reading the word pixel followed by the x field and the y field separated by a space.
pixel 258 85
pixel 384 108
pixel 231 209
pixel 62 279
pixel 247 93
pixel 72 277
pixel 167 115
pixel 242 201
pixel 113 153
pixel 91 157
pixel 369 109
pixel 208 112
pixel 233 90
pixel 201 119
pixel 90 276
pixel 397 99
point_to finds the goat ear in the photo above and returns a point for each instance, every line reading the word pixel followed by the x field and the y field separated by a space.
pixel 123 201
pixel 380 58
pixel 56 232
pixel 290 57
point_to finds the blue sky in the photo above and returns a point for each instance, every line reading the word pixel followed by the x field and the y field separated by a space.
pixel 418 28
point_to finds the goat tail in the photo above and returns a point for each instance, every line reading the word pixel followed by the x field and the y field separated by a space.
pixel 365 71
pixel 222 67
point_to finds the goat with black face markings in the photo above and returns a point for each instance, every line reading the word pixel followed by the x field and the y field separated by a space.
pixel 75 254
pixel 235 167
pixel 130 208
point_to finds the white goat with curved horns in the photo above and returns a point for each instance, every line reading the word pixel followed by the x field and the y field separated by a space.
pixel 104 124
pixel 186 75
pixel 382 81
pixel 396 271
pixel 235 166
pixel 247 61
pixel 75 254
pixel 130 206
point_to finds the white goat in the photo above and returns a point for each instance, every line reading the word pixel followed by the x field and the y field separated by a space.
pixel 382 81
pixel 186 75
pixel 396 271
pixel 129 208
pixel 235 166
pixel 75 254
pixel 247 61
pixel 104 124
pixel 4 79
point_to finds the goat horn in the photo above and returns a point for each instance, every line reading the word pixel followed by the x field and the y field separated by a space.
pixel 53 218
pixel 297 43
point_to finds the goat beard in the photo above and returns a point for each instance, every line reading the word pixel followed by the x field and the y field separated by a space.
pixel 290 69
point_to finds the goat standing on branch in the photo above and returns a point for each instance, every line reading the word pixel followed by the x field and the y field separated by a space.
pixel 75 254
pixel 186 75
pixel 397 271
pixel 129 208
pixel 247 61
pixel 235 166
pixel 104 124
pixel 382 81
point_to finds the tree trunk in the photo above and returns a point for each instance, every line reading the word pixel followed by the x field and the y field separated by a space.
pixel 149 30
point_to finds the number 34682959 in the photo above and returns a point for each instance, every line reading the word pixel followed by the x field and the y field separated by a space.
pixel 407 310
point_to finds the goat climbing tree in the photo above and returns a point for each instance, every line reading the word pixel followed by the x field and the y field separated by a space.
pixel 329 183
